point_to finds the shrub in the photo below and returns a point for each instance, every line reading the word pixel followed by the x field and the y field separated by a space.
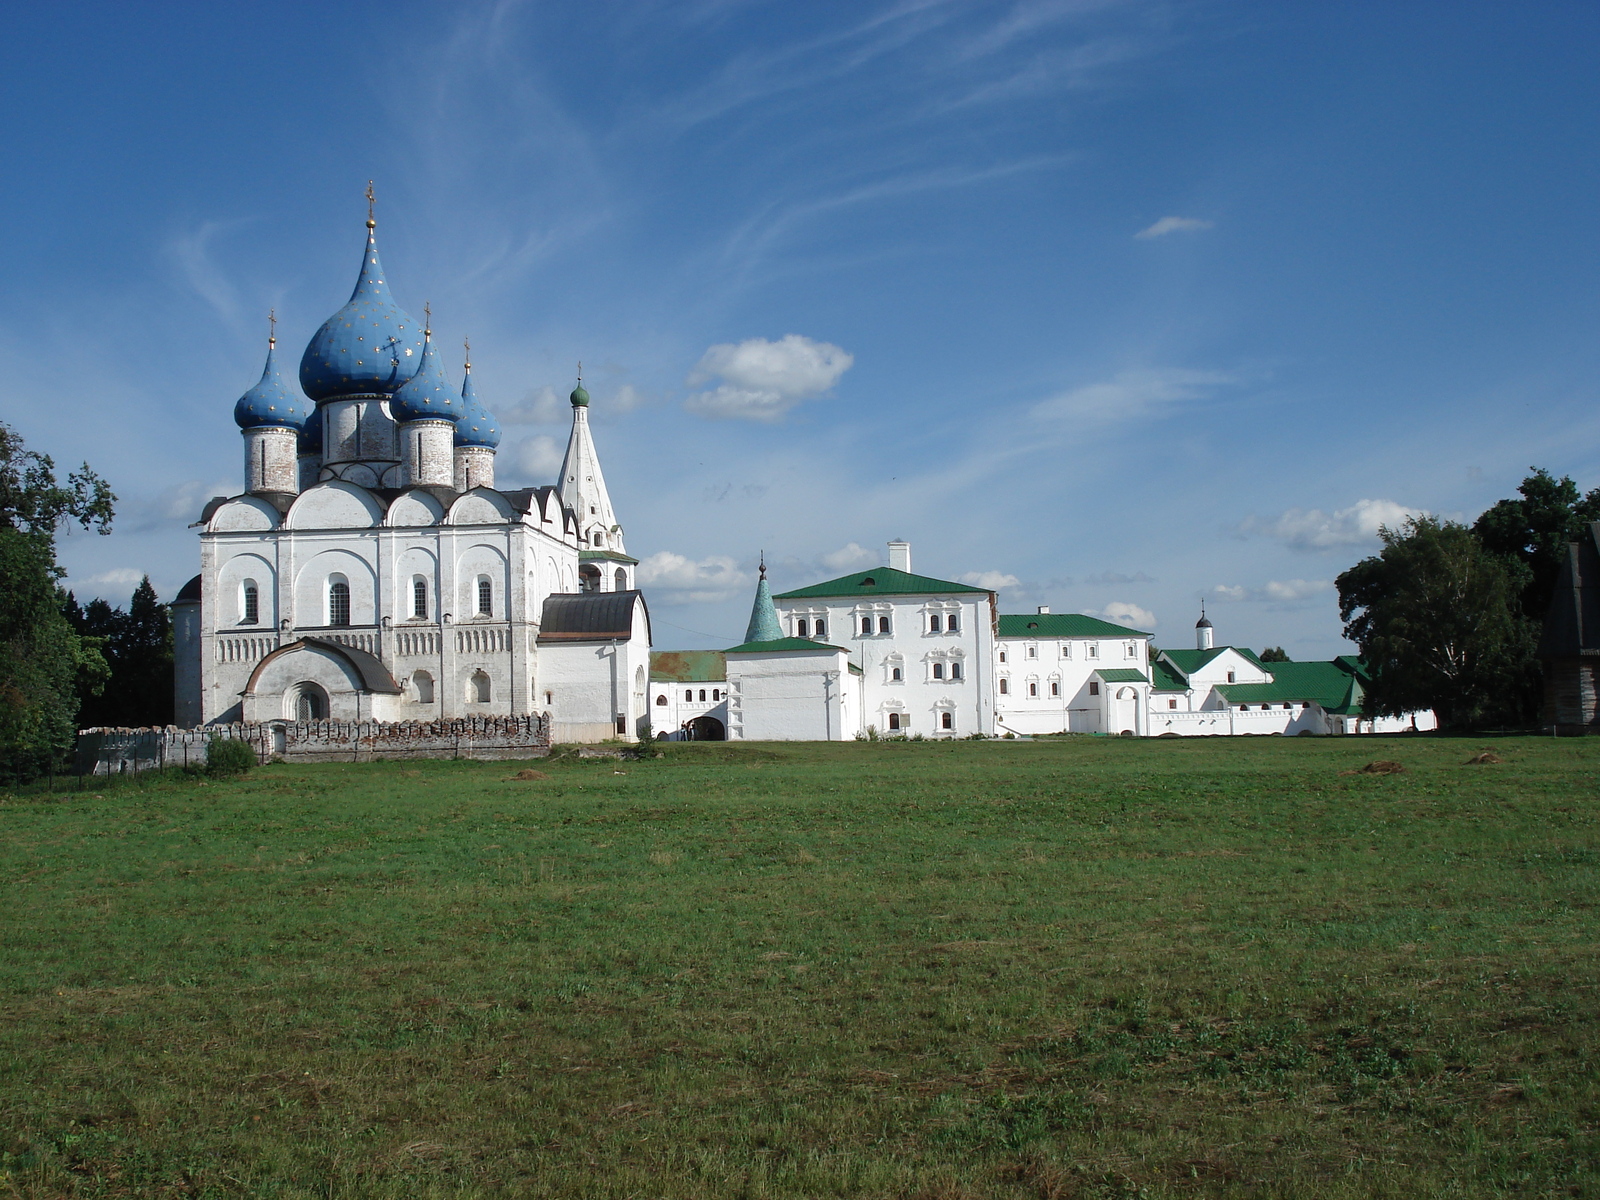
pixel 229 756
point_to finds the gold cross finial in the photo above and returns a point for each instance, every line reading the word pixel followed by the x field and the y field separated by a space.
pixel 580 370
pixel 466 349
pixel 763 564
pixel 427 318
pixel 371 199
pixel 272 327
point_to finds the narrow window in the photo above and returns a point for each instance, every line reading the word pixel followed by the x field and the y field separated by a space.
pixel 252 603
pixel 621 580
pixel 485 596
pixel 883 624
pixel 702 693
pixel 866 625
pixel 1055 687
pixel 822 628
pixel 687 694
pixel 938 670
pixel 716 694
pixel 1005 687
pixel 1094 649
pixel 951 623
pixel 933 623
pixel 1066 649
pixel 947 720
pixel 801 628
pixel 955 670
pixel 661 700
pixel 549 698
pixel 1033 689
pixel 1172 704
pixel 1033 652
pixel 894 720
pixel 1094 688
pixel 894 674
pixel 1230 676
pixel 1002 656
pixel 419 598
pixel 338 603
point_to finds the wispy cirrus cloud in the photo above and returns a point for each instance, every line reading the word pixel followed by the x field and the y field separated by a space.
pixel 1276 591
pixel 1168 225
pixel 1134 393
pixel 1313 529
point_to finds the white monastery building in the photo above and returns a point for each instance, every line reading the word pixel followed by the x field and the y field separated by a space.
pixel 371 570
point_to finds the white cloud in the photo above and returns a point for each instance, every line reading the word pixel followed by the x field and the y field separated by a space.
pixel 680 580
pixel 1132 394
pixel 115 581
pixel 993 580
pixel 1117 577
pixel 625 399
pixel 1123 613
pixel 538 457
pixel 180 504
pixel 541 406
pixel 1313 529
pixel 1276 591
pixel 851 557
pixel 1168 225
pixel 762 380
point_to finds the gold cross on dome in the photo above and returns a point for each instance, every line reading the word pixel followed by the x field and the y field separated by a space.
pixel 427 321
pixel 371 199
pixel 272 327
pixel 466 350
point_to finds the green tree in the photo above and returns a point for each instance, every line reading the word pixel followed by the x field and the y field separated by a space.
pixel 1438 620
pixel 1274 654
pixel 1534 531
pixel 43 661
pixel 138 647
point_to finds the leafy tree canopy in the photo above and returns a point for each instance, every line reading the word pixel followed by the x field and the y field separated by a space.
pixel 1274 654
pixel 1534 530
pixel 1438 619
pixel 34 503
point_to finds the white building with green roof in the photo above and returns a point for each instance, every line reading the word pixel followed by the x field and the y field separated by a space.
pixel 1070 673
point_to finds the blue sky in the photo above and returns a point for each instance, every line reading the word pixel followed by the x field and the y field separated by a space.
pixel 1117 304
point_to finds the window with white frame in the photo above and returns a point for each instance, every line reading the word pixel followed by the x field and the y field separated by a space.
pixel 802 627
pixel 338 600
pixel 1033 652
pixel 866 626
pixel 250 603
pixel 955 670
pixel 952 622
pixel 419 598
pixel 1094 649
pixel 883 625
pixel 938 670
pixel 485 596
pixel 1127 651
pixel 821 629
pixel 1066 650
pixel 1005 686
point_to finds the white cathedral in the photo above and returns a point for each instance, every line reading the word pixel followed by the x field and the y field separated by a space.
pixel 371 570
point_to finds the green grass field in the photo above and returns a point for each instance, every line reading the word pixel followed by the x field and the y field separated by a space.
pixel 1074 968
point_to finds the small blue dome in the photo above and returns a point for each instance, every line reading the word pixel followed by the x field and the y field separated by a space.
pixel 270 402
pixel 427 395
pixel 311 434
pixel 371 345
pixel 477 426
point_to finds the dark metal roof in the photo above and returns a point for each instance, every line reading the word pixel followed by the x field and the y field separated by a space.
pixel 590 616
pixel 1572 623
pixel 190 592
pixel 369 668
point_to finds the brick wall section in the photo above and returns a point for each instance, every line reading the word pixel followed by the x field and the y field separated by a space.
pixel 110 751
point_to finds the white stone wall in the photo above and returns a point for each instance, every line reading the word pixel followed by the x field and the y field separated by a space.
pixel 1046 682
pixel 596 691
pixel 792 696
pixel 473 468
pixel 918 699
pixel 427 453
pixel 271 459
pixel 673 705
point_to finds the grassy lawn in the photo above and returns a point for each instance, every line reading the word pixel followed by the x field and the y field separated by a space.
pixel 1071 968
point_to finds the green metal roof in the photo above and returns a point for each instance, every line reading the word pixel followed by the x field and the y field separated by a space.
pixel 880 581
pixel 608 555
pixel 688 666
pixel 1167 679
pixel 1328 684
pixel 1190 661
pixel 782 644
pixel 1061 625
pixel 1121 675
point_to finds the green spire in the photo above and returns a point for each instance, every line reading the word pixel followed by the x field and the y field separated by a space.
pixel 763 625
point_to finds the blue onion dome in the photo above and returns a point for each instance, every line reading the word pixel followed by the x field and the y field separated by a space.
pixel 477 426
pixel 427 395
pixel 311 434
pixel 371 345
pixel 270 402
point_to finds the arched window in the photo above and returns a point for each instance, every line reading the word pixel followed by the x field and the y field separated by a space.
pixel 822 628
pixel 952 622
pixel 933 623
pixel 485 596
pixel 947 720
pixel 478 690
pixel 955 670
pixel 1005 687
pixel 938 670
pixel 883 624
pixel 866 625
pixel 310 703
pixel 661 700
pixel 338 600
pixel 801 628
pixel 716 694
pixel 894 720
pixel 419 598
pixel 702 693
pixel 1055 687
pixel 422 687
pixel 687 694
pixel 895 675
pixel 251 606
pixel 597 538
pixel 621 580
pixel 1033 688
pixel 589 578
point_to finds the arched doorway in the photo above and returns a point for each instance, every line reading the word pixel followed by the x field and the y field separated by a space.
pixel 1124 712
pixel 707 729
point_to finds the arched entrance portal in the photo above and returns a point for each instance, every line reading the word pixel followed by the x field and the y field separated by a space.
pixel 707 729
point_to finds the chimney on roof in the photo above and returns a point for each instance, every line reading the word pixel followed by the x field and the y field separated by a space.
pixel 900 556
pixel 1044 610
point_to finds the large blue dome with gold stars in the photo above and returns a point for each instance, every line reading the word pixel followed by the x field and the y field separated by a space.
pixel 477 426
pixel 371 345
pixel 270 402
pixel 427 395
